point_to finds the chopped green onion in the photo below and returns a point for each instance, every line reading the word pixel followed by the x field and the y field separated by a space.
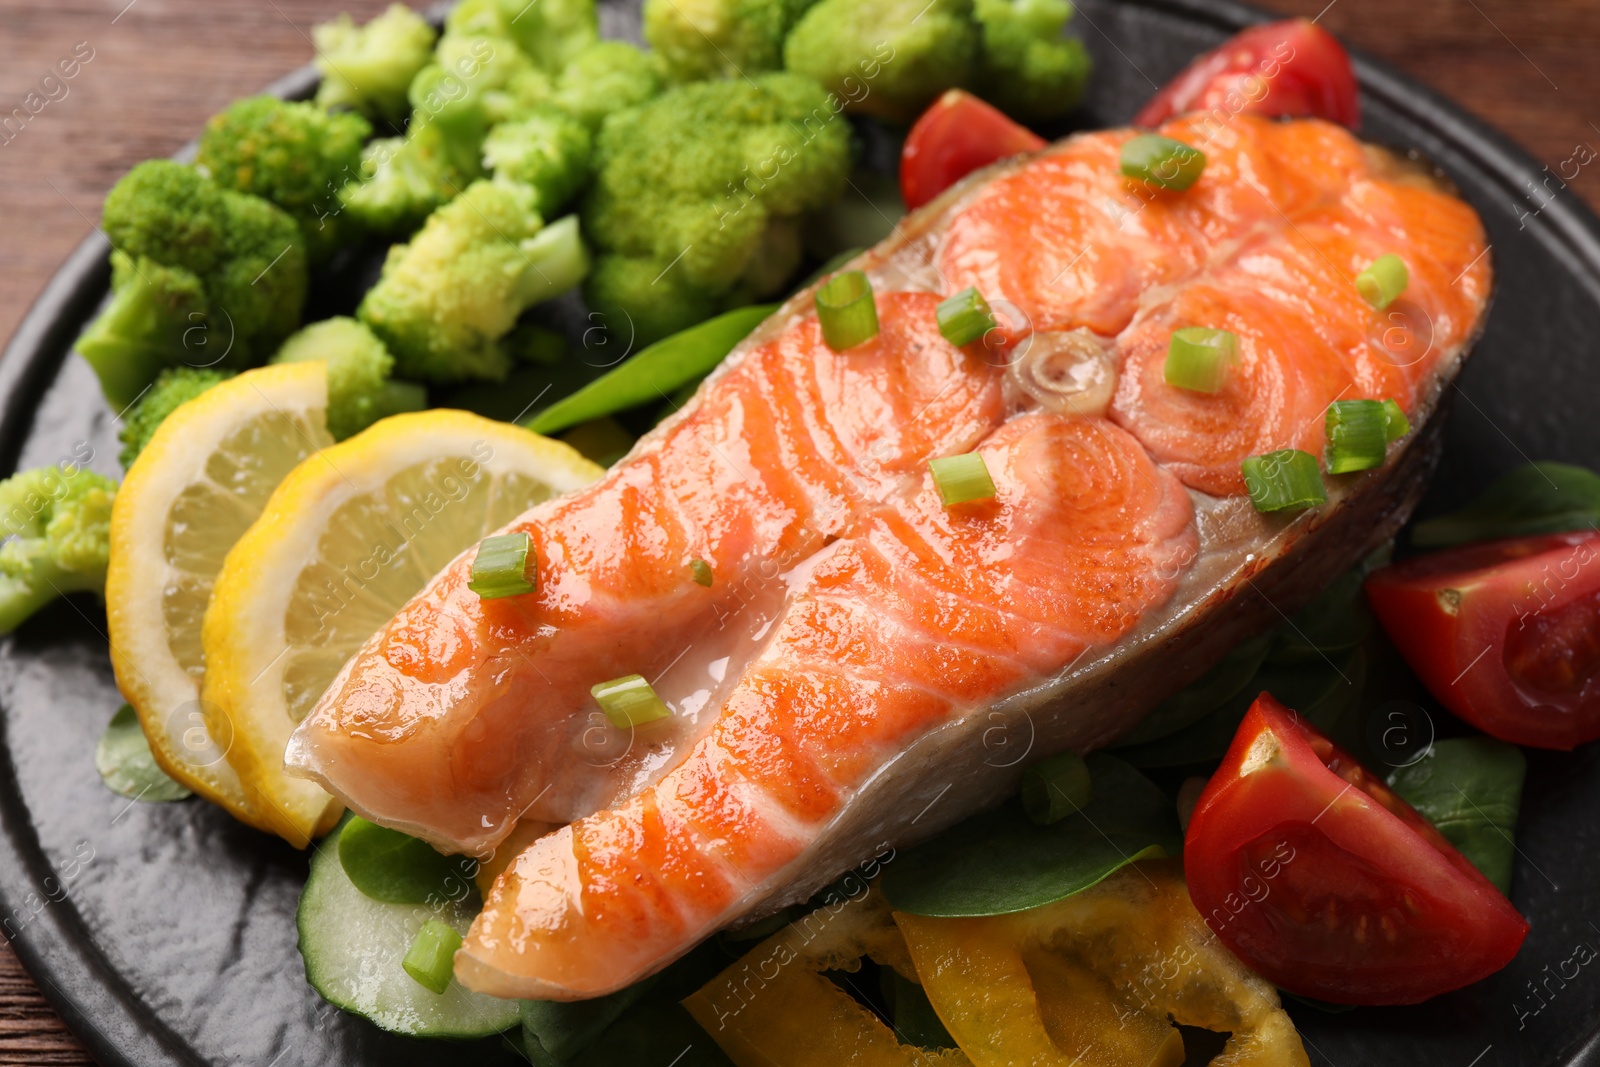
pixel 1383 281
pixel 1162 162
pixel 965 317
pixel 961 478
pixel 1055 788
pixel 701 570
pixel 430 959
pixel 847 311
pixel 1198 358
pixel 1357 435
pixel 501 566
pixel 1287 478
pixel 1396 425
pixel 629 701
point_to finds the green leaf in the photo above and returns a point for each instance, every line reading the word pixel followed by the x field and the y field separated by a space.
pixel 915 1021
pixel 999 862
pixel 122 756
pixel 654 372
pixel 1334 623
pixel 1537 499
pixel 395 868
pixel 1319 690
pixel 564 1029
pixel 1470 788
pixel 1206 694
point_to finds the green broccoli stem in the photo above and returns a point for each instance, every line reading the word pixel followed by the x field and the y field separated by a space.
pixel 129 343
pixel 556 259
pixel 20 596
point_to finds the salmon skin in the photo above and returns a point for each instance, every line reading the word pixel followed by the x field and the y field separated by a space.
pixel 868 666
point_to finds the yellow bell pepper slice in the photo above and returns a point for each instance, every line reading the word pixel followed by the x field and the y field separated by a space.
pixel 1092 980
pixel 775 1008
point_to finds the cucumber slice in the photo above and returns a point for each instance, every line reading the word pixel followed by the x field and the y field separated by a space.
pixel 353 946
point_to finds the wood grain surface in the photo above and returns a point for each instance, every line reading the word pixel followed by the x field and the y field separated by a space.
pixel 158 68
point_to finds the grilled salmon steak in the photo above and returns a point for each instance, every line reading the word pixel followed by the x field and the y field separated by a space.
pixel 868 665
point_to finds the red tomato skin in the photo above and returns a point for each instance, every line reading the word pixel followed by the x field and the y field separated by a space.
pixel 1291 68
pixel 957 135
pixel 1498 587
pixel 1323 881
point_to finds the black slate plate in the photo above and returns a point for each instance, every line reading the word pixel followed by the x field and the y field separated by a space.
pixel 165 933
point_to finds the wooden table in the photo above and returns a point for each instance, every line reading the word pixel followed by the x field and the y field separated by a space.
pixel 158 68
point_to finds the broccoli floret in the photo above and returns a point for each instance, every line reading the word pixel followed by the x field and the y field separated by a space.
pixel 403 179
pixel 57 525
pixel 603 78
pixel 202 276
pixel 693 187
pixel 885 57
pixel 700 39
pixel 481 78
pixel 1025 66
pixel 550 32
pixel 445 300
pixel 172 389
pixel 368 68
pixel 293 154
pixel 360 391
pixel 548 150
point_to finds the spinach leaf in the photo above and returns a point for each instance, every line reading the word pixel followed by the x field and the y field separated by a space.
pixel 1536 499
pixel 396 868
pixel 565 1029
pixel 999 862
pixel 122 756
pixel 1470 789
pixel 1335 622
pixel 1206 694
pixel 1320 691
pixel 653 373
pixel 915 1021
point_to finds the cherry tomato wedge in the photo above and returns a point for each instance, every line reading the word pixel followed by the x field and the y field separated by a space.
pixel 957 135
pixel 1324 881
pixel 1505 634
pixel 1292 68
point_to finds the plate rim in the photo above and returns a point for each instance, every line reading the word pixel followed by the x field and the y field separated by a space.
pixel 56 948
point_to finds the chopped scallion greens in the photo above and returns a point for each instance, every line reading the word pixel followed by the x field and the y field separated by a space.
pixel 846 310
pixel 1198 358
pixel 1357 435
pixel 629 701
pixel 1396 425
pixel 1287 478
pixel 961 478
pixel 1055 788
pixel 430 958
pixel 501 566
pixel 1383 281
pixel 701 570
pixel 1162 161
pixel 965 317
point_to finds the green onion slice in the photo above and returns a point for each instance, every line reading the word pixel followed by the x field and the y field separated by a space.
pixel 1383 281
pixel 501 566
pixel 965 317
pixel 847 311
pixel 1198 358
pixel 1357 435
pixel 1162 162
pixel 430 958
pixel 701 570
pixel 1055 788
pixel 1396 425
pixel 961 478
pixel 629 701
pixel 1287 478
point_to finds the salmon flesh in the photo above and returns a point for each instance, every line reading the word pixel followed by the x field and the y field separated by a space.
pixel 867 665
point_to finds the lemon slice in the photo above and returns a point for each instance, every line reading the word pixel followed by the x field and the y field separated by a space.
pixel 197 486
pixel 348 537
